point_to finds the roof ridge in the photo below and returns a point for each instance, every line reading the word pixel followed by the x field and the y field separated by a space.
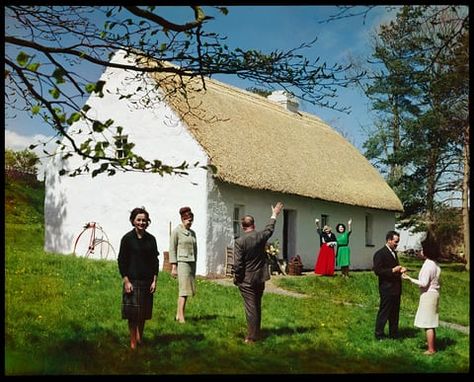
pixel 263 100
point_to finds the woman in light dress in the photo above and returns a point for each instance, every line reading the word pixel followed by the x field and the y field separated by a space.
pixel 427 316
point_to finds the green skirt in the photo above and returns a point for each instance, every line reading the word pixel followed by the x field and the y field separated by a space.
pixel 343 257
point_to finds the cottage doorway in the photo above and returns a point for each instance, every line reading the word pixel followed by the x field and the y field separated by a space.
pixel 289 234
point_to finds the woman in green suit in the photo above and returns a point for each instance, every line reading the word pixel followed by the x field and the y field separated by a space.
pixel 343 256
pixel 183 256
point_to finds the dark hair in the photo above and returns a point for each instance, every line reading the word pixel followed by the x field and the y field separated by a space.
pixel 247 221
pixel 429 247
pixel 186 213
pixel 391 234
pixel 340 225
pixel 139 210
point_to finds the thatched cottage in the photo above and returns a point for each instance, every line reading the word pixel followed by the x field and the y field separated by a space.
pixel 264 151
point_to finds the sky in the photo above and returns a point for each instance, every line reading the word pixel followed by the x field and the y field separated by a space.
pixel 269 28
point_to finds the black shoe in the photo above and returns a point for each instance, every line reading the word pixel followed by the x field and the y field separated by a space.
pixel 379 337
pixel 394 336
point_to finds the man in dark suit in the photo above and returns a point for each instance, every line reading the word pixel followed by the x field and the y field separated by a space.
pixel 389 271
pixel 251 269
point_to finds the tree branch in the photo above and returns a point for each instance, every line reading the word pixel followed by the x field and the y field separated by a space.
pixel 199 19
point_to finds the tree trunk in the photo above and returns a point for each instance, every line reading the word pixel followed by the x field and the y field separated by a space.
pixel 465 197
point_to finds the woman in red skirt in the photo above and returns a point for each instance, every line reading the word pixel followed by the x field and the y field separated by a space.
pixel 327 254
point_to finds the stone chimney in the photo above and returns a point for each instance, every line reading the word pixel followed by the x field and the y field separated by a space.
pixel 285 100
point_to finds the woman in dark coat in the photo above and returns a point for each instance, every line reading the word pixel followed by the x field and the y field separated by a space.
pixel 138 265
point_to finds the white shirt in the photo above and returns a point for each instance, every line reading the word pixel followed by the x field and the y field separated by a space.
pixel 428 278
pixel 391 251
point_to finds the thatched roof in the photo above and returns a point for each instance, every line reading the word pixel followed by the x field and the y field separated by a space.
pixel 256 143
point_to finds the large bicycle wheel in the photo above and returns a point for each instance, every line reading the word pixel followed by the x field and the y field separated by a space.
pixel 93 243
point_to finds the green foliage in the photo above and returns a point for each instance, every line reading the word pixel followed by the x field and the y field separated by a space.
pixel 35 109
pixel 22 59
pixel 23 161
pixel 59 74
pixel 62 317
pixel 446 229
pixel 24 202
pixel 421 97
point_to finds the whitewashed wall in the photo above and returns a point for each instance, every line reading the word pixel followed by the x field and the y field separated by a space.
pixel 224 196
pixel 410 240
pixel 158 134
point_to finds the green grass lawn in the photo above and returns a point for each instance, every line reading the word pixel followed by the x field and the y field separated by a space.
pixel 62 316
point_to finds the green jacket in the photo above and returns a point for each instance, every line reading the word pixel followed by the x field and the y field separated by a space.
pixel 183 245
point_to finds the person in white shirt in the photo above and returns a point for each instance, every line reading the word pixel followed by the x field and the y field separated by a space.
pixel 427 316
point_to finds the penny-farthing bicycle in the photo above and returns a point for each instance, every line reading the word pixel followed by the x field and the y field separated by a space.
pixel 93 242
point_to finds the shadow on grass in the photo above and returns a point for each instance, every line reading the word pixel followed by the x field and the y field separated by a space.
pixel 207 317
pixel 441 344
pixel 455 267
pixel 444 343
pixel 83 345
pixel 408 332
pixel 286 331
pixel 165 339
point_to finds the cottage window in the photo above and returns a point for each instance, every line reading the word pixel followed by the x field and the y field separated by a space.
pixel 324 220
pixel 120 143
pixel 369 221
pixel 238 213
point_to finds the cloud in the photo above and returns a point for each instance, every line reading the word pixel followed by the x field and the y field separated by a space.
pixel 17 142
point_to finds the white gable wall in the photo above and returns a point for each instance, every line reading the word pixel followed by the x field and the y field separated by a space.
pixel 224 196
pixel 108 200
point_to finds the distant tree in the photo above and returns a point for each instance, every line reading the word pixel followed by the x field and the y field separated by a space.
pixel 24 161
pixel 453 93
pixel 262 92
pixel 46 46
pixel 394 93
pixel 421 94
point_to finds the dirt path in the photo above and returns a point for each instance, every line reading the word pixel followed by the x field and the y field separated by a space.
pixel 460 328
pixel 270 287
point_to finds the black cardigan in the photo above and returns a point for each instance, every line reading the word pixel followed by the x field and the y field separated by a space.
pixel 138 258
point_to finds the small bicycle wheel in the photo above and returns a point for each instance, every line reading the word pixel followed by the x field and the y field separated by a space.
pixel 102 249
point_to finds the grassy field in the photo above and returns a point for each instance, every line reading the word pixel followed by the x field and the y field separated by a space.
pixel 62 316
